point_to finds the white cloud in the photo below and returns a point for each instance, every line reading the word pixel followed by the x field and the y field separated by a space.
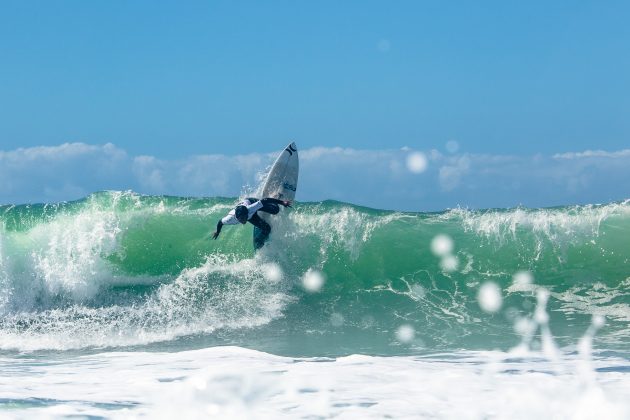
pixel 317 153
pixel 376 178
pixel 452 173
pixel 54 153
pixel 67 171
pixel 148 172
pixel 593 153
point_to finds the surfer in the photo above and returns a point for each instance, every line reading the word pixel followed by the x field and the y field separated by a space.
pixel 246 211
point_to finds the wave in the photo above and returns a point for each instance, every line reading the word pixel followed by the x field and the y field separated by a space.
pixel 119 269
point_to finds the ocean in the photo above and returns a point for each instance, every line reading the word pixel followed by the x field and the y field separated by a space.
pixel 121 305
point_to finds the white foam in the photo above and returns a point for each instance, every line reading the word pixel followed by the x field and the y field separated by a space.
pixel 558 225
pixel 67 252
pixel 232 382
pixel 346 227
pixel 221 293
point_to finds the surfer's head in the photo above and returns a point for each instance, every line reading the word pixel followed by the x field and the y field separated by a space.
pixel 241 214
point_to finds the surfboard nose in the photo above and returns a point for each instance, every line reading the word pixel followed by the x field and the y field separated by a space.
pixel 291 148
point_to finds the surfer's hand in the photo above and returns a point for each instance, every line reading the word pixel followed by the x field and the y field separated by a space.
pixel 215 235
pixel 286 203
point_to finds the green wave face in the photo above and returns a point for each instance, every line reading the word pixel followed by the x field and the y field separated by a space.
pixel 118 269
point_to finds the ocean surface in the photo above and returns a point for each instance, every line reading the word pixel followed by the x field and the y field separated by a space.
pixel 121 305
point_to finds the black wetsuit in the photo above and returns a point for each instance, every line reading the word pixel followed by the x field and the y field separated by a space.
pixel 262 230
pixel 271 206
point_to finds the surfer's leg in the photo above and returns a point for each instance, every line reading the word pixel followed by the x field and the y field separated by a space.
pixel 265 230
pixel 260 224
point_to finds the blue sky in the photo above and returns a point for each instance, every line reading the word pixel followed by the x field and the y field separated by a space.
pixel 174 80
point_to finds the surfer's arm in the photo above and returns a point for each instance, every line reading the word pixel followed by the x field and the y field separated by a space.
pixel 285 203
pixel 255 206
pixel 230 219
pixel 215 235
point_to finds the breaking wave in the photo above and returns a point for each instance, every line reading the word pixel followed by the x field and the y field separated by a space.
pixel 121 269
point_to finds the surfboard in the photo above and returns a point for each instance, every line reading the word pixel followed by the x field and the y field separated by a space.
pixel 281 183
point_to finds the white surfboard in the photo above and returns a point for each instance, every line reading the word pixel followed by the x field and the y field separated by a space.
pixel 282 178
pixel 281 181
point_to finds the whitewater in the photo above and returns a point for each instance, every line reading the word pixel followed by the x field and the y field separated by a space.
pixel 120 305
